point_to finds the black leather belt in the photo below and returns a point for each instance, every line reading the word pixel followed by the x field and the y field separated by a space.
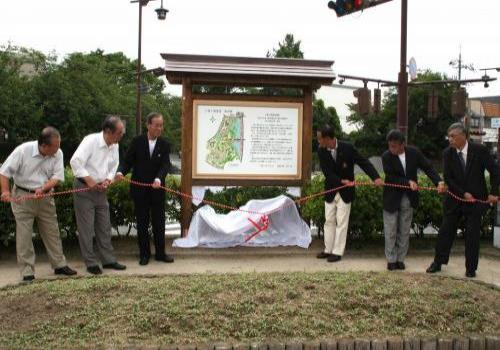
pixel 81 180
pixel 25 189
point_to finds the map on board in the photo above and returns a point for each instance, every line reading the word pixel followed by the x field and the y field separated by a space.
pixel 247 140
pixel 227 144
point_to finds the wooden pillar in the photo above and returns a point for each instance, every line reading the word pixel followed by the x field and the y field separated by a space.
pixel 307 134
pixel 187 154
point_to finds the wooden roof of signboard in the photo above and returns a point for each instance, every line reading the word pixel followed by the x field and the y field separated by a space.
pixel 203 69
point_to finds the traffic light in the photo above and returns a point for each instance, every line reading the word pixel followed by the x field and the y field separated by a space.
pixel 364 97
pixel 377 100
pixel 458 102
pixel 346 7
pixel 433 105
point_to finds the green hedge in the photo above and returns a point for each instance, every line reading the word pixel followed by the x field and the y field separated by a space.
pixel 365 222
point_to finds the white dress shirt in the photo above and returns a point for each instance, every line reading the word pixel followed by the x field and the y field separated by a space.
pixel 333 152
pixel 152 144
pixel 30 169
pixel 402 158
pixel 95 158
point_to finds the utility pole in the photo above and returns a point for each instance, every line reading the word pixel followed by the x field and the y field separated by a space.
pixel 402 117
pixel 458 64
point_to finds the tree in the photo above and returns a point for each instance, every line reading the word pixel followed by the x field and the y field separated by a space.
pixel 322 116
pixel 423 131
pixel 76 95
pixel 19 114
pixel 289 48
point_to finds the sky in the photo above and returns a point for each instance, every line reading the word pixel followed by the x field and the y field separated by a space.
pixel 362 44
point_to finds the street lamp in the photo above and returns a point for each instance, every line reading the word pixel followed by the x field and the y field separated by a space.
pixel 162 14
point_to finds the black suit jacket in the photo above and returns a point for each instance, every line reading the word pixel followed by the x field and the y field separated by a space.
pixel 473 180
pixel 343 168
pixel 395 174
pixel 146 168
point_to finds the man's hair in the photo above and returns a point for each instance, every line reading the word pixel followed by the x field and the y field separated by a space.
pixel 110 123
pixel 395 136
pixel 47 134
pixel 152 116
pixel 327 131
pixel 458 126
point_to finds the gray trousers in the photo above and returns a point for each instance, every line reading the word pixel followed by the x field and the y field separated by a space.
pixel 397 231
pixel 92 220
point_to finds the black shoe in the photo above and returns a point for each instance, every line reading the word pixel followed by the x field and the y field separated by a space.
pixel 143 261
pixel 28 278
pixel 65 270
pixel 400 265
pixel 392 266
pixel 334 258
pixel 95 270
pixel 323 255
pixel 114 266
pixel 470 274
pixel 166 259
pixel 435 267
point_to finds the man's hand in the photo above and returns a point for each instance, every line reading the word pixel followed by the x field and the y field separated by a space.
pixel 39 192
pixel 378 182
pixel 413 185
pixel 441 187
pixel 90 182
pixel 119 177
pixel 156 184
pixel 103 186
pixel 5 197
pixel 347 182
pixel 469 197
pixel 492 199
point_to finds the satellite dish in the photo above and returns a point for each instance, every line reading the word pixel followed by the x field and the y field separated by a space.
pixel 413 68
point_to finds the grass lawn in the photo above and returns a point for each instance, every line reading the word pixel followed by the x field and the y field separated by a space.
pixel 242 307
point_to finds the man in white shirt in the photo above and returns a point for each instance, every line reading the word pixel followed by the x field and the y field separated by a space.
pixel 35 167
pixel 94 165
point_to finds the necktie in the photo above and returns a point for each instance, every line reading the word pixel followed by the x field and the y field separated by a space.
pixel 462 160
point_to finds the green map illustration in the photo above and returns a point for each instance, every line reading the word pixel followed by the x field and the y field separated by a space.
pixel 227 143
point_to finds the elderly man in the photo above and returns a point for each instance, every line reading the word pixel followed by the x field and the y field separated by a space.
pixel 464 165
pixel 94 165
pixel 149 157
pixel 401 163
pixel 36 167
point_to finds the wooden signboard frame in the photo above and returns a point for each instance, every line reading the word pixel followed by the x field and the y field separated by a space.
pixel 190 70
pixel 198 177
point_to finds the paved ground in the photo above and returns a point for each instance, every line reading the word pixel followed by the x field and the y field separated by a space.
pixel 283 259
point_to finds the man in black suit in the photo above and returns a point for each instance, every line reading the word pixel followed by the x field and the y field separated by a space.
pixel 337 159
pixel 401 163
pixel 464 165
pixel 149 157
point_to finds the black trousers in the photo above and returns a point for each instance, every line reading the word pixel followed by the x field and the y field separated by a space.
pixel 150 205
pixel 448 232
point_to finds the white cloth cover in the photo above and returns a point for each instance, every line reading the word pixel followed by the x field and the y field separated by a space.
pixel 212 230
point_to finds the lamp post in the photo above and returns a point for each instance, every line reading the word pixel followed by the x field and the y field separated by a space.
pixel 162 14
